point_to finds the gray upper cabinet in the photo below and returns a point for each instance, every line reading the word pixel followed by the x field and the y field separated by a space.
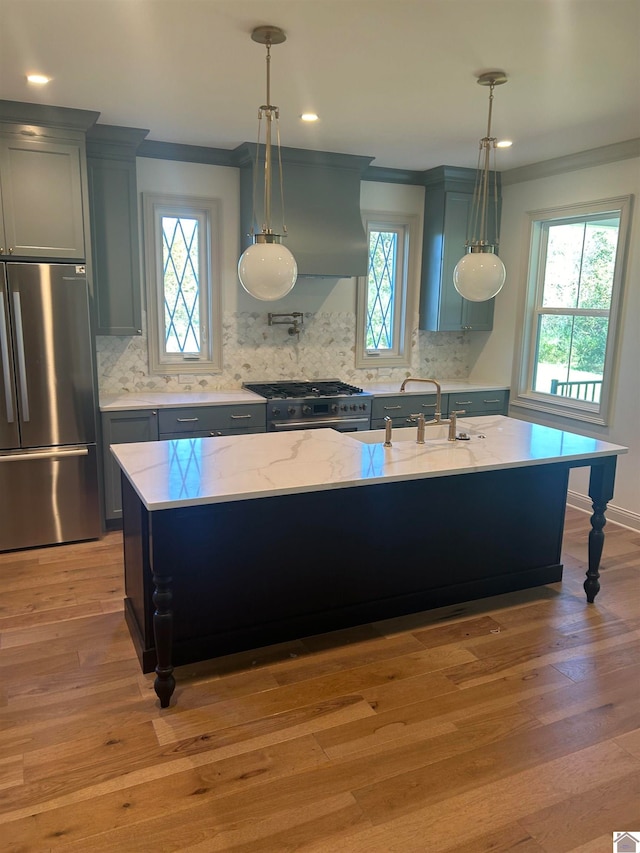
pixel 43 190
pixel 448 195
pixel 42 212
pixel 111 165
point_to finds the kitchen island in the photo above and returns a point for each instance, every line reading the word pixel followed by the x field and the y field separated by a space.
pixel 232 543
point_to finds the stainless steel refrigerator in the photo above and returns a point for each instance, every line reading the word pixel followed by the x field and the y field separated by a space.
pixel 48 460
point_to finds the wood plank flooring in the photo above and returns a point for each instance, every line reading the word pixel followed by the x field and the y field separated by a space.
pixel 511 723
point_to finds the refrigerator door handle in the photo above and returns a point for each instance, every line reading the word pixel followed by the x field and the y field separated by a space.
pixel 22 370
pixel 6 372
pixel 61 453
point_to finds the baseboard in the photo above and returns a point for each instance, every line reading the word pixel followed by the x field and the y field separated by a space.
pixel 614 513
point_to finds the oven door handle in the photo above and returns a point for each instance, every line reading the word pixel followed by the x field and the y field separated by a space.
pixel 318 424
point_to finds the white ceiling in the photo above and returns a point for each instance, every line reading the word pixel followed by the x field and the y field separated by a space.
pixel 394 80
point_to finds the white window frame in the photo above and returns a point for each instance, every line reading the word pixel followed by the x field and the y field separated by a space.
pixel 406 224
pixel 525 397
pixel 208 213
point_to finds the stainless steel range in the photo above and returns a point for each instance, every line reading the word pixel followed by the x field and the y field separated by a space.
pixel 312 405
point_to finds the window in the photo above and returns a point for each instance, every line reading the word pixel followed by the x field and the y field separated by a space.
pixel 383 333
pixel 573 299
pixel 183 284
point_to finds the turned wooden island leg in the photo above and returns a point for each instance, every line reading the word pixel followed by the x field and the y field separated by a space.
pixel 165 683
pixel 600 491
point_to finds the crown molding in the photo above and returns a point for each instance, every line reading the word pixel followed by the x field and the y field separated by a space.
pixel 572 162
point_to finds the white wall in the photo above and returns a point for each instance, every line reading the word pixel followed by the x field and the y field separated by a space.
pixel 492 353
pixel 253 350
pixel 309 294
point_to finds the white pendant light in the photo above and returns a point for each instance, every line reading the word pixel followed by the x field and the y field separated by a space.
pixel 267 269
pixel 480 274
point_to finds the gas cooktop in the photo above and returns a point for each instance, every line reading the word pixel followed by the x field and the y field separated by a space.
pixel 300 390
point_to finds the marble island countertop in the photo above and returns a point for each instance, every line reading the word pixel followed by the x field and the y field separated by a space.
pixel 179 399
pixel 194 471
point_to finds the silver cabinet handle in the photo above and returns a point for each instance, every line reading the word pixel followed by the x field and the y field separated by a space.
pixel 491 401
pixel 50 454
pixel 427 405
pixel 187 420
pixel 390 408
pixel 22 370
pixel 6 373
pixel 462 402
pixel 240 417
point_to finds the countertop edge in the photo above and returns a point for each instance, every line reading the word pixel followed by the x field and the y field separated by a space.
pixel 357 463
pixel 141 400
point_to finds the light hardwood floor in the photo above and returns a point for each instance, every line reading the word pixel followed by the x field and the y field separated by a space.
pixel 511 723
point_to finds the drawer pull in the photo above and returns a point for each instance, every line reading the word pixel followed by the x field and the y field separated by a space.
pixel 462 402
pixel 187 420
pixel 491 401
pixel 240 417
pixel 390 408
pixel 428 405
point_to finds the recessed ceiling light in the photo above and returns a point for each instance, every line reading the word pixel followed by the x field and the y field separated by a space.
pixel 309 117
pixel 38 79
pixel 504 143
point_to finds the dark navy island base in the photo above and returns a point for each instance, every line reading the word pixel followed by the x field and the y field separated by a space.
pixel 209 580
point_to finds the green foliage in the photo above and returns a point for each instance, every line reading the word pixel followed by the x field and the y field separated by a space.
pixel 578 275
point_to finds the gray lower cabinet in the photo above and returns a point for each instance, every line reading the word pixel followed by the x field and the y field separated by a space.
pixel 203 421
pixel 480 403
pixel 122 428
pixel 401 408
pixel 128 426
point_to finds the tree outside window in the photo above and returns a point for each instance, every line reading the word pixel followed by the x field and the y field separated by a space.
pixel 573 298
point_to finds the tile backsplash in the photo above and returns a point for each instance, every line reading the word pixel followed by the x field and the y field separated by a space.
pixel 253 350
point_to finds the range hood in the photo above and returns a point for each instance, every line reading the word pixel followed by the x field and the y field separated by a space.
pixel 321 205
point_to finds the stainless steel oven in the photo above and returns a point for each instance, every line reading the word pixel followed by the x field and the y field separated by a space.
pixel 314 405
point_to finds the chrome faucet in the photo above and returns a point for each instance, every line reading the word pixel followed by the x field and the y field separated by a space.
pixel 452 424
pixel 438 412
pixel 421 425
pixel 387 431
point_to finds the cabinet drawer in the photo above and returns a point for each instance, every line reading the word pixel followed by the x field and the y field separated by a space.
pixel 405 405
pixel 204 433
pixel 479 402
pixel 203 419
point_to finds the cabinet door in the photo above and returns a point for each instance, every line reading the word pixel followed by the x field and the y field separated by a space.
pixel 122 428
pixel 442 309
pixel 42 198
pixel 114 240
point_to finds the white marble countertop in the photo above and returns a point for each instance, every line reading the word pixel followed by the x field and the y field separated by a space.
pixel 447 386
pixel 177 399
pixel 193 471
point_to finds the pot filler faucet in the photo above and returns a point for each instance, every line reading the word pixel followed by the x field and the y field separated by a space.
pixel 437 419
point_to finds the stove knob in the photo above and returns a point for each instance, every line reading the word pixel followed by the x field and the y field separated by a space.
pixel 291 411
pixel 275 412
pixel 353 408
pixel 335 408
pixel 306 410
